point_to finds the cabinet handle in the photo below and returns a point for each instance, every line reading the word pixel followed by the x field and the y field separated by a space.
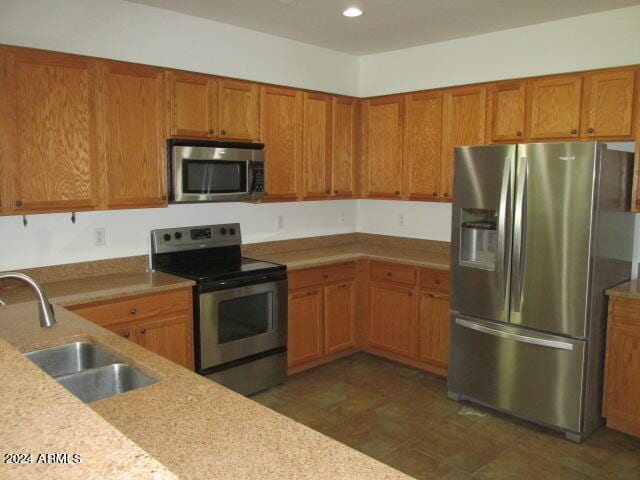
pixel 389 274
pixel 518 133
pixel 335 191
pixel 433 295
pixel 133 311
pixel 223 132
pixel 638 202
pixel 589 130
pixel 397 192
pixel 325 276
pixel 411 294
pixel 125 334
pixel 446 194
pixel 437 282
pixel 18 203
pixel 435 194
pixel 574 131
pixel 143 331
pixel 212 131
pixel 327 192
pixel 164 197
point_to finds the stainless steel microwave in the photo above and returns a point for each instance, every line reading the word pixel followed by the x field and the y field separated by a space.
pixel 211 171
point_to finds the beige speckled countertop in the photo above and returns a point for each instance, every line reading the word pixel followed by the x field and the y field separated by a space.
pixel 313 257
pixel 191 425
pixel 630 289
pixel 98 287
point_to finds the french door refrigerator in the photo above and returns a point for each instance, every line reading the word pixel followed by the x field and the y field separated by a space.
pixel 539 231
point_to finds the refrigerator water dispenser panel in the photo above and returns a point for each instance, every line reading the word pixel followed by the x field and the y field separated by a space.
pixel 478 238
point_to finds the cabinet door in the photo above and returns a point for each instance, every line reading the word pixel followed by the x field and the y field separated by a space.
pixel 554 107
pixel 305 326
pixel 169 337
pixel 281 126
pixel 382 146
pixel 345 148
pixel 422 144
pixel 433 328
pixel 463 123
pixel 608 105
pixel 392 322
pixel 133 135
pixel 53 131
pixel 194 105
pixel 316 146
pixel 506 107
pixel 339 316
pixel 239 110
pixel 6 147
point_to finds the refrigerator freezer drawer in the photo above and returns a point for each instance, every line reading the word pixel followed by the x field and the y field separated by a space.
pixel 532 375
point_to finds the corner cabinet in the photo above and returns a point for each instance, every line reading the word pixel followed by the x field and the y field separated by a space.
pixel 316 146
pixel 382 147
pixel 161 322
pixel 281 114
pixel 49 131
pixel 345 143
pixel 132 131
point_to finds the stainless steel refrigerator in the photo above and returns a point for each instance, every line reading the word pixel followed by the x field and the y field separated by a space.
pixel 539 231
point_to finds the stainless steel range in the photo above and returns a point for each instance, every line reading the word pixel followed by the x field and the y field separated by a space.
pixel 240 304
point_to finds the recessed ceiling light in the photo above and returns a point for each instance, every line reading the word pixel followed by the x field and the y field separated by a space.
pixel 352 12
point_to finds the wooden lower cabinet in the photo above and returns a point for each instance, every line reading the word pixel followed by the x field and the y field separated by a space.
pixel 622 369
pixel 321 320
pixel 433 329
pixel 160 322
pixel 392 319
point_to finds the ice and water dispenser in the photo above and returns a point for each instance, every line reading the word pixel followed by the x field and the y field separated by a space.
pixel 478 238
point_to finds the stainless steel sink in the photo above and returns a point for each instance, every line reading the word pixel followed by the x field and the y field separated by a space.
pixel 87 371
pixel 103 382
pixel 70 358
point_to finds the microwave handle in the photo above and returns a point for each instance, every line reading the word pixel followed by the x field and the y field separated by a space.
pixel 251 187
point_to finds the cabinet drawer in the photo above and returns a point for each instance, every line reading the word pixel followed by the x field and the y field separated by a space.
pixel 317 276
pixel 432 279
pixel 134 308
pixel 625 310
pixel 393 272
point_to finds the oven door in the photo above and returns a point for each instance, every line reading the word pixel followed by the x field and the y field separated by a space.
pixel 240 322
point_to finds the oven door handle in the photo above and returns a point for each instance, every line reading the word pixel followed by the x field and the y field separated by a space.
pixel 242 282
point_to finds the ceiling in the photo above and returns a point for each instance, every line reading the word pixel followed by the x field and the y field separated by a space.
pixel 386 24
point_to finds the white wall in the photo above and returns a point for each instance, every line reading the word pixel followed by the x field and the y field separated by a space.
pixel 138 33
pixel 580 43
pixel 52 239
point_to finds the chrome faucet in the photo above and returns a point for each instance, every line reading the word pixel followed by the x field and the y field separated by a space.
pixel 47 318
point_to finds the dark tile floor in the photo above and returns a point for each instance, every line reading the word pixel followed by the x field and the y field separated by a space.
pixel 402 417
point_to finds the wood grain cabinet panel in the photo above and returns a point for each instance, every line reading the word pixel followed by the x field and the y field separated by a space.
pixel 339 317
pixel 305 326
pixel 239 110
pixel 6 125
pixel 382 146
pixel 169 337
pixel 422 145
pixel 316 146
pixel 608 104
pixel 392 319
pixel 133 135
pixel 281 124
pixel 506 111
pixel 433 329
pixel 463 123
pixel 52 134
pixel 553 108
pixel 622 369
pixel 194 105
pixel 344 145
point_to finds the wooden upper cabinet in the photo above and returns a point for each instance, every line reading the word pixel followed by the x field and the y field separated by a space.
pixel 6 126
pixel 422 144
pixel 52 135
pixel 239 110
pixel 194 105
pixel 316 146
pixel 553 107
pixel 281 127
pixel 133 134
pixel 382 146
pixel 505 111
pixel 608 104
pixel 463 123
pixel 345 143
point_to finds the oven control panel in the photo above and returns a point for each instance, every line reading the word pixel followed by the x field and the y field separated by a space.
pixel 194 238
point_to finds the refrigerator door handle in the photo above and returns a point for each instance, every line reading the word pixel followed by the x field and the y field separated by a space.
pixel 519 237
pixel 505 204
pixel 514 336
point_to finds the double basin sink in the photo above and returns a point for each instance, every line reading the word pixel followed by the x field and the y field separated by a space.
pixel 87 371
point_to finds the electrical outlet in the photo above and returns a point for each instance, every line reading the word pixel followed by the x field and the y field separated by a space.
pixel 100 236
pixel 340 217
pixel 280 222
pixel 401 219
